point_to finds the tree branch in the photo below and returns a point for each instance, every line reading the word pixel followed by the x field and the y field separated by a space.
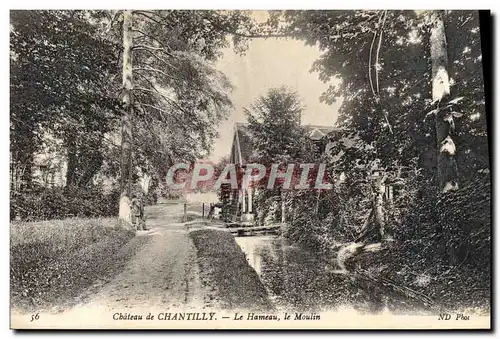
pixel 110 24
pixel 146 15
pixel 153 48
pixel 144 34
pixel 378 50
pixel 149 47
pixel 254 35
pixel 265 36
pixel 370 64
pixel 160 59
pixel 151 69
pixel 154 90
pixel 156 108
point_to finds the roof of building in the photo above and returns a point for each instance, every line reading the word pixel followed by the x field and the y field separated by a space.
pixel 317 132
pixel 242 138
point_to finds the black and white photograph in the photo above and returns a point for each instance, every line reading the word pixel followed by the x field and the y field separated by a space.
pixel 250 169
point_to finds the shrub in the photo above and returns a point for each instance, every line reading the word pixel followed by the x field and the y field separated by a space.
pixel 443 247
pixel 58 203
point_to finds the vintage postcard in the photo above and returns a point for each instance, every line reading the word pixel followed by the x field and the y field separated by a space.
pixel 228 169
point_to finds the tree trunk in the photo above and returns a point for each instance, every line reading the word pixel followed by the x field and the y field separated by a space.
pixel 446 150
pixel 145 183
pixel 447 167
pixel 126 121
pixel 72 161
pixel 27 172
pixel 23 147
pixel 373 229
pixel 283 208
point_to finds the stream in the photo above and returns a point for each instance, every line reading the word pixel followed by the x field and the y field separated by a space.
pixel 298 280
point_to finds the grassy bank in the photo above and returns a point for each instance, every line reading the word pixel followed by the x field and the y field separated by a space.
pixel 225 270
pixel 53 262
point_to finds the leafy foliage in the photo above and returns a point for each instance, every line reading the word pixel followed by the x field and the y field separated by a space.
pixel 60 71
pixel 378 62
pixel 277 137
pixel 179 96
pixel 56 203
pixel 65 90
pixel 274 126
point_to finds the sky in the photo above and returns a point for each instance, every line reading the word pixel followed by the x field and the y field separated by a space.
pixel 269 63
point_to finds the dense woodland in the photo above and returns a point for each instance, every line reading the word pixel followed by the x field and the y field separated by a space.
pixel 410 161
pixel 72 74
pixel 124 95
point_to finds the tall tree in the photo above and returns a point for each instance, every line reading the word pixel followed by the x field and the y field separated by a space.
pixel 64 85
pixel 274 126
pixel 60 88
pixel 383 64
pixel 445 125
pixel 127 118
pixel 277 138
pixel 393 54
pixel 172 95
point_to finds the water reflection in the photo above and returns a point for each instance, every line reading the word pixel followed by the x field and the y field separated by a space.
pixel 299 280
pixel 251 246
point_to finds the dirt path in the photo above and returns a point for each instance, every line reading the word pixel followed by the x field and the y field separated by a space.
pixel 162 276
pixel 163 273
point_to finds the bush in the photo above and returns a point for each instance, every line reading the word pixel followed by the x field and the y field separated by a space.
pixel 58 203
pixel 443 247
pixel 437 244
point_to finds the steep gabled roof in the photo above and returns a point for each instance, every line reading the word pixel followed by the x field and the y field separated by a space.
pixel 242 144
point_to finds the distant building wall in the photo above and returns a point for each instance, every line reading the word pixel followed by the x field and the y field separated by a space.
pixel 49 170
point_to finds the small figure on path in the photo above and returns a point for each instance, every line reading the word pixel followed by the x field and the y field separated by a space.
pixel 214 210
pixel 137 211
